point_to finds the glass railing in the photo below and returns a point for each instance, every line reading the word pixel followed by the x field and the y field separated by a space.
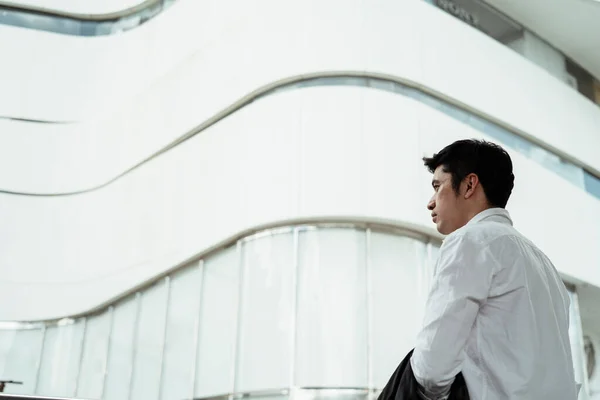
pixel 305 305
pixel 80 24
pixel 287 306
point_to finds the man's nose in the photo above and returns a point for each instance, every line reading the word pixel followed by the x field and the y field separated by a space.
pixel 431 204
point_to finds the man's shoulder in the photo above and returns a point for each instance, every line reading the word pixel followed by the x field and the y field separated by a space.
pixel 496 237
pixel 484 233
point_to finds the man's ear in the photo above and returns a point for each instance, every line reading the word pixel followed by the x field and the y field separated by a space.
pixel 471 183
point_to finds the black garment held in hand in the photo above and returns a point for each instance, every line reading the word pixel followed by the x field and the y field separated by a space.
pixel 403 385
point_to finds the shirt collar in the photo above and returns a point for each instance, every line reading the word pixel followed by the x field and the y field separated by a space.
pixel 495 214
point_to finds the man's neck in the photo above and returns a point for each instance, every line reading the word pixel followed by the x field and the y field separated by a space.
pixel 477 210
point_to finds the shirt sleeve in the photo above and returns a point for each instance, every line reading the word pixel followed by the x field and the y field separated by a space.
pixel 460 286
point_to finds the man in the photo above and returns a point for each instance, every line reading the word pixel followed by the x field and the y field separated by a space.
pixel 498 310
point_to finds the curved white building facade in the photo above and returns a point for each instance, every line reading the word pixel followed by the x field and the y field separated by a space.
pixel 236 204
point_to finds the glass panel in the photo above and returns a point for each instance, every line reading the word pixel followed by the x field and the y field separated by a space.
pixel 500 134
pixel 218 324
pixel 267 314
pixel 590 356
pixel 93 363
pixel 145 384
pixel 60 359
pixel 19 357
pixel 332 317
pixel 334 81
pixel 177 381
pixel 551 161
pixel 576 339
pixel 407 91
pixel 121 350
pixel 398 289
pixel 592 184
pixel 447 108
pixel 382 84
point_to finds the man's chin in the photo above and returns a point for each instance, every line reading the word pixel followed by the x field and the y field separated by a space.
pixel 441 229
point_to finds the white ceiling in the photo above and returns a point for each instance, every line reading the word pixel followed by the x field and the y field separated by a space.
pixel 572 26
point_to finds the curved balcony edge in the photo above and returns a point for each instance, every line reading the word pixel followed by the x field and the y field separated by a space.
pixel 80 24
pixel 488 124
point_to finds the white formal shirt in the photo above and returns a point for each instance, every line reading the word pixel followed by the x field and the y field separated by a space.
pixel 498 312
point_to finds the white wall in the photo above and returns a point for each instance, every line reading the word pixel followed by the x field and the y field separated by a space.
pixel 134 93
pixel 306 153
pixel 96 76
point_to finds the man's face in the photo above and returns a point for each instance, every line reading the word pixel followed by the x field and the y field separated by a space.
pixel 445 205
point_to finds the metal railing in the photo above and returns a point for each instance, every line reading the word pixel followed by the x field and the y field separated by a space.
pixel 3 383
pixel 77 24
pixel 295 393
pixel 31 397
pixel 303 393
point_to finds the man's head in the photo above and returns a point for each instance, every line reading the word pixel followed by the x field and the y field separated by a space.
pixel 469 176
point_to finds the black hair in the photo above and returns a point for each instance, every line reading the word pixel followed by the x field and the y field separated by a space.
pixel 490 162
